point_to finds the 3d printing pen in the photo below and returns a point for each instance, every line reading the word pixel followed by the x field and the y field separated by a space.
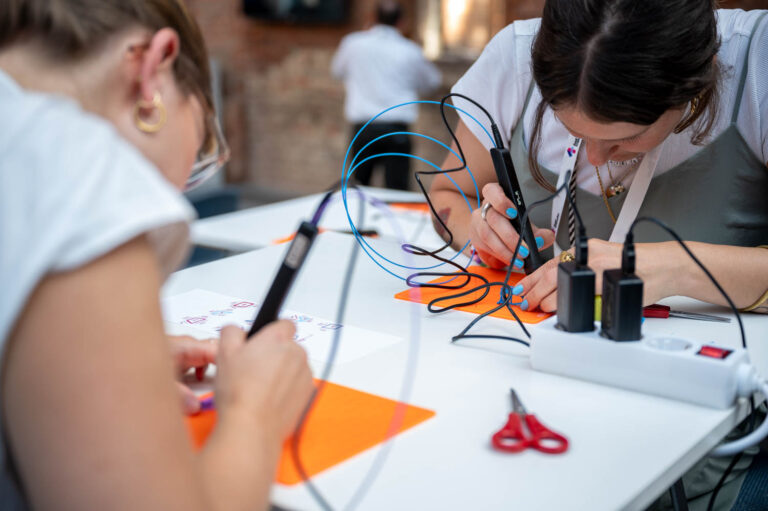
pixel 505 173
pixel 294 258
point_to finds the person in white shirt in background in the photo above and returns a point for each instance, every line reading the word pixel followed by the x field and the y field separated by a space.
pixel 107 115
pixel 380 69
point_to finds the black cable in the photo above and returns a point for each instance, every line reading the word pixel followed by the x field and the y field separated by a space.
pixel 417 175
pixel 419 251
pixel 721 482
pixel 506 291
pixel 508 297
pixel 462 159
pixel 735 310
pixel 502 337
pixel 698 263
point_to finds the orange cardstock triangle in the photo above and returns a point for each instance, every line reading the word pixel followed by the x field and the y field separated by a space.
pixel 427 294
pixel 343 422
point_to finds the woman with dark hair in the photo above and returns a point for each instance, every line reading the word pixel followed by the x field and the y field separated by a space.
pixel 106 116
pixel 659 109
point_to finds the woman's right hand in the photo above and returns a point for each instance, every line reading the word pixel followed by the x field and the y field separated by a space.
pixel 267 377
pixel 494 238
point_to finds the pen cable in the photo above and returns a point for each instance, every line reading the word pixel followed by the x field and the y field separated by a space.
pixel 408 377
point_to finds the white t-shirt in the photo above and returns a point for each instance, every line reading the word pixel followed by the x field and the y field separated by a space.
pixel 501 77
pixel 71 190
pixel 381 69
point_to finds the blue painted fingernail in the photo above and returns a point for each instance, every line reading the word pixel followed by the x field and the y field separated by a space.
pixel 524 305
pixel 512 213
pixel 518 263
pixel 517 289
pixel 523 252
pixel 539 241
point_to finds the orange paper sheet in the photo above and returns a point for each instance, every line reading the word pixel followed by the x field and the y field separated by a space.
pixel 344 422
pixel 280 241
pixel 420 207
pixel 426 295
pixel 320 230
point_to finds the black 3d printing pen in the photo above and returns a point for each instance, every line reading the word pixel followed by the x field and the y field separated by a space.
pixel 505 173
pixel 281 285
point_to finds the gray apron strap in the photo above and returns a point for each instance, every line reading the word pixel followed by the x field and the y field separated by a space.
pixel 522 114
pixel 744 71
pixel 528 97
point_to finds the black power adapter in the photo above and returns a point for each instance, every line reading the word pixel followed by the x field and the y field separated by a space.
pixel 622 312
pixel 576 292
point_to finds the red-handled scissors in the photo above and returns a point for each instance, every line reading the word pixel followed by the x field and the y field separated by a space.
pixel 512 437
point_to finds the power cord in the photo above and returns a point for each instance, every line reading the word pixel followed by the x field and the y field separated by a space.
pixel 736 447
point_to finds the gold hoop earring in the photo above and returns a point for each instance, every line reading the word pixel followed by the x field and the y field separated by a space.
pixel 688 120
pixel 155 104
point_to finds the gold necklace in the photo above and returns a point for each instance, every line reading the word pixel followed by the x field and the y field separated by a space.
pixel 602 194
pixel 615 188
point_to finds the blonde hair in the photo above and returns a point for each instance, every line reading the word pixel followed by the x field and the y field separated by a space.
pixel 75 29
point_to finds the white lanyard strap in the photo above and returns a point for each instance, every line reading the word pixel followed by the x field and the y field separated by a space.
pixel 632 204
pixel 636 195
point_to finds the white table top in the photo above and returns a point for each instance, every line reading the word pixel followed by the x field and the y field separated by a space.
pixel 258 227
pixel 626 448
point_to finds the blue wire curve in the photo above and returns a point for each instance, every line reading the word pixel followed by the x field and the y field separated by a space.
pixel 345 176
pixel 354 228
pixel 365 246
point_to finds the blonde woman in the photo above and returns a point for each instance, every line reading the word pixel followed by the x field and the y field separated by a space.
pixel 107 114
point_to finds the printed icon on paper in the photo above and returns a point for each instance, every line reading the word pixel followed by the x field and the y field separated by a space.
pixel 222 312
pixel 300 318
pixel 325 327
pixel 195 320
pixel 301 338
pixel 243 305
pixel 571 151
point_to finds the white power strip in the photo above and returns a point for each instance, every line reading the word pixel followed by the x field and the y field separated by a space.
pixel 673 367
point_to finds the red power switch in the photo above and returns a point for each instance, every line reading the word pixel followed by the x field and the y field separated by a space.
pixel 713 352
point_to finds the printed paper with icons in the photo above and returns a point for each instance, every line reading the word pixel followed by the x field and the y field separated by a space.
pixel 209 312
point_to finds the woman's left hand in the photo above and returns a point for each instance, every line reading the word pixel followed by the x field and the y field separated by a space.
pixel 189 353
pixel 655 265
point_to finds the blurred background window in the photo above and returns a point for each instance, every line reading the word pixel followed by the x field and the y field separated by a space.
pixel 298 11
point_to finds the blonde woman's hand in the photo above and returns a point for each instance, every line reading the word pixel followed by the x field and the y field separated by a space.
pixel 266 378
pixel 189 353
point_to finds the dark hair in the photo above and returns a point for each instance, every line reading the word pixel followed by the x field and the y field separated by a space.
pixel 74 29
pixel 627 61
pixel 388 12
